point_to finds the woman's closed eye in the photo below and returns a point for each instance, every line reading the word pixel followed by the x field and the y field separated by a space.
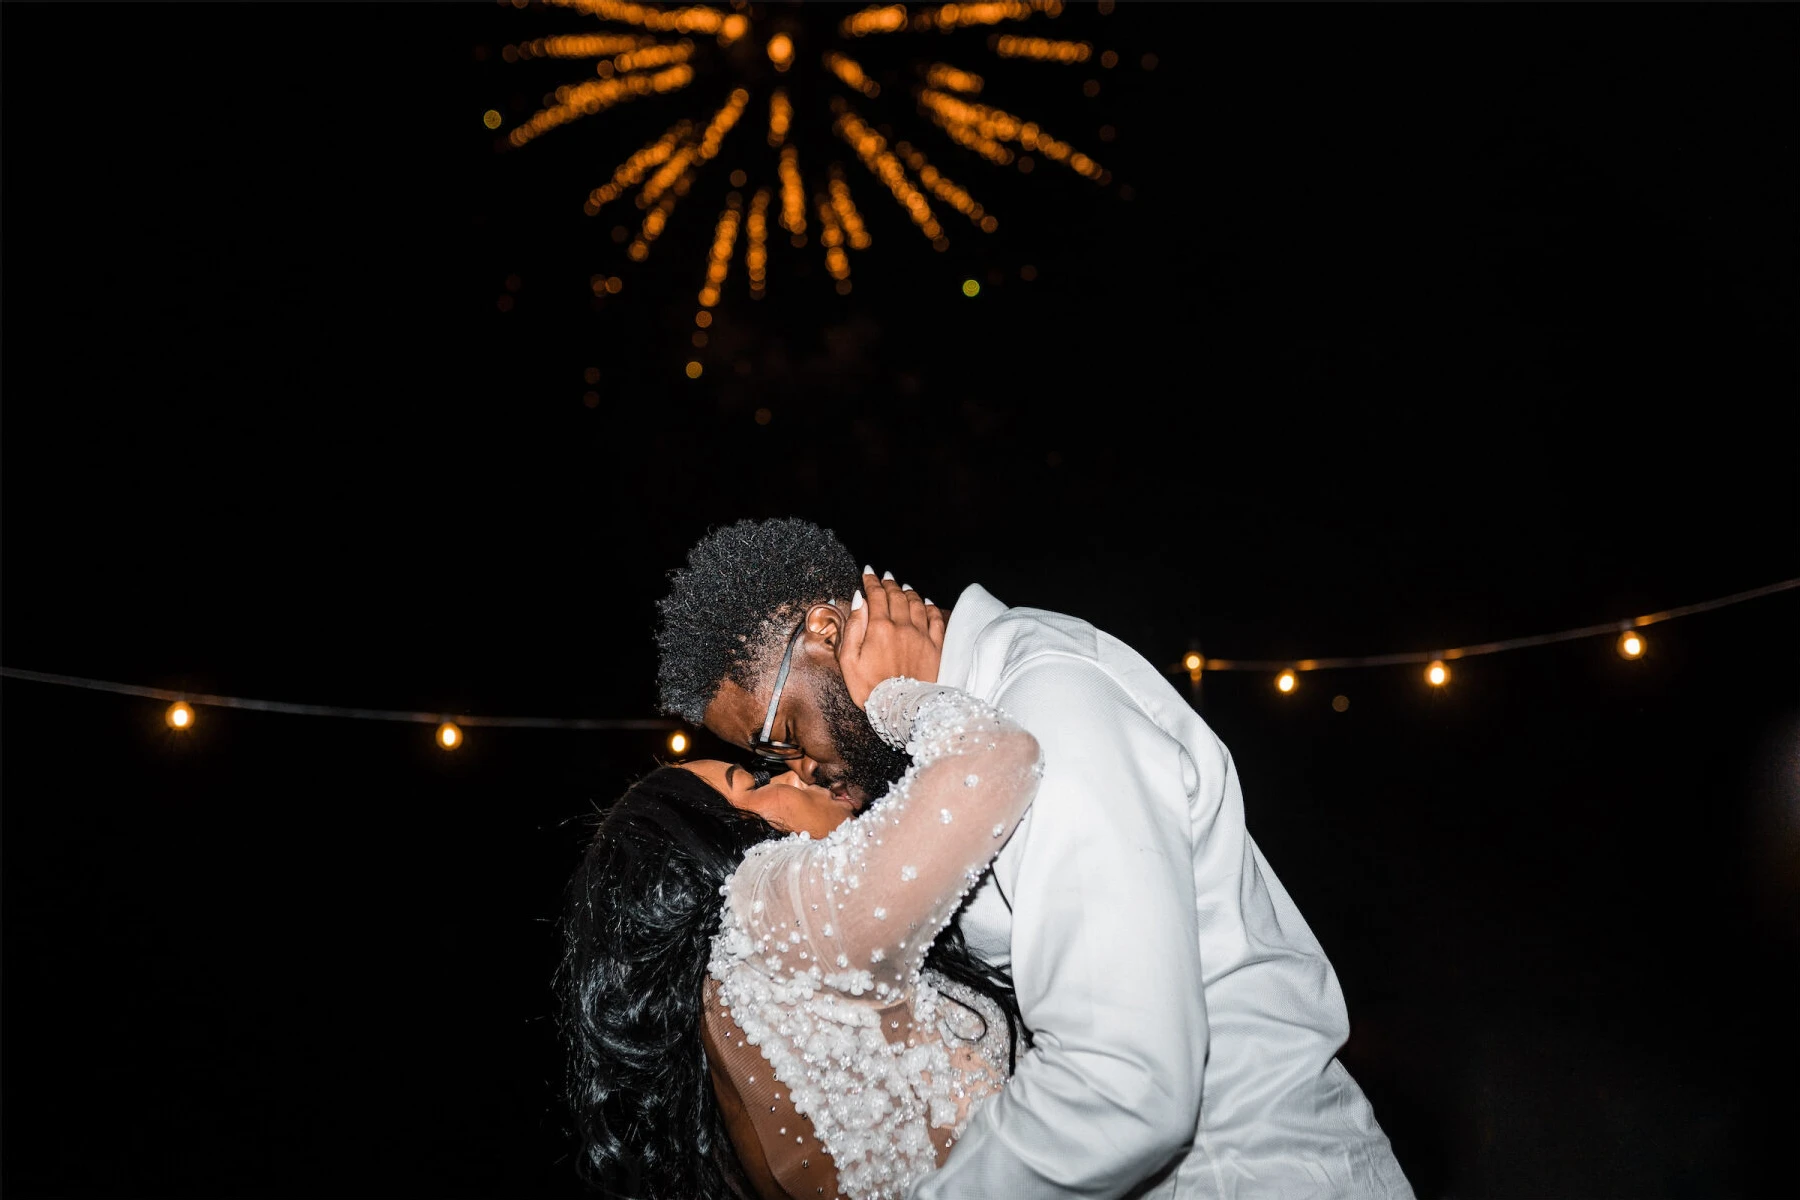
pixel 759 776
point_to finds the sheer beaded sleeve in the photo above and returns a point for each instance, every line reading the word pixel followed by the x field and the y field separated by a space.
pixel 856 911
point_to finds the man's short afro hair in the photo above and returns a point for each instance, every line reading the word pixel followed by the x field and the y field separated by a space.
pixel 742 590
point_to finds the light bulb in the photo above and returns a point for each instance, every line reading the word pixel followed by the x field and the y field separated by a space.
pixel 1631 644
pixel 1192 662
pixel 179 716
pixel 678 742
pixel 449 736
pixel 1437 674
pixel 1286 682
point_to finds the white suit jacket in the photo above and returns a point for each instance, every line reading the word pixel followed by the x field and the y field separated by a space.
pixel 1186 1019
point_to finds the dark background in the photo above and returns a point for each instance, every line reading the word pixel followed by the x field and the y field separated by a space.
pixel 1420 327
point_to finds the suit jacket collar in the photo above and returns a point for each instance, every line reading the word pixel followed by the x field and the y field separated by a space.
pixel 975 610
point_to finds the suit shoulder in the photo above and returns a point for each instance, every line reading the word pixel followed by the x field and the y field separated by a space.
pixel 1019 634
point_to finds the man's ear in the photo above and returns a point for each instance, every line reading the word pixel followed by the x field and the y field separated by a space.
pixel 825 627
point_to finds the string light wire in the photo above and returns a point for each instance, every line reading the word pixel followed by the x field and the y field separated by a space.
pixel 331 710
pixel 1210 664
pixel 1520 643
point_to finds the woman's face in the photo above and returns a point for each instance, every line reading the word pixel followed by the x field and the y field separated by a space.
pixel 784 801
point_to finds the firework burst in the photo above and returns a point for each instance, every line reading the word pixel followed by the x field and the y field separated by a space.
pixel 799 85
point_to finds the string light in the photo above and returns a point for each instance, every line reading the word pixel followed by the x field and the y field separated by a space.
pixel 678 742
pixel 180 712
pixel 1630 644
pixel 183 702
pixel 449 736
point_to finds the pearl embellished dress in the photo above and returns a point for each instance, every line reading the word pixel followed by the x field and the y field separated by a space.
pixel 859 1068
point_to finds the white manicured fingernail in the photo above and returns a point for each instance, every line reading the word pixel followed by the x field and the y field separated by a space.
pixel 906 587
pixel 868 570
pixel 928 600
pixel 888 575
pixel 856 601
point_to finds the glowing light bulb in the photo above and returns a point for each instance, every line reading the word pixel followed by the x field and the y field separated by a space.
pixel 1192 662
pixel 781 51
pixel 1437 674
pixel 449 736
pixel 1631 644
pixel 678 742
pixel 1286 682
pixel 179 716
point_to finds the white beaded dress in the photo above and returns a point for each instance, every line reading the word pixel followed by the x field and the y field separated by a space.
pixel 858 1068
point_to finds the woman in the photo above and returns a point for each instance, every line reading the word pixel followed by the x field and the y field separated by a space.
pixel 753 1003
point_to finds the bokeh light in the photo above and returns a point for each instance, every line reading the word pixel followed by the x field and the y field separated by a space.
pixel 1437 674
pixel 449 736
pixel 1631 644
pixel 180 716
pixel 1286 682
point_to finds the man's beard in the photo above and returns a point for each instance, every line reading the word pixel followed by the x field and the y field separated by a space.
pixel 866 764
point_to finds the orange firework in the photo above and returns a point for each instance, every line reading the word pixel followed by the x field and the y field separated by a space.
pixel 649 50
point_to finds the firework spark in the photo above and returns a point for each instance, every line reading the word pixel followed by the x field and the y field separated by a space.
pixel 657 50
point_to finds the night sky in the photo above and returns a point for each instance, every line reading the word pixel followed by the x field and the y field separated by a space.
pixel 1396 328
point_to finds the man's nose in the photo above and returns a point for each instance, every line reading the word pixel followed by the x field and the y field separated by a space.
pixel 804 768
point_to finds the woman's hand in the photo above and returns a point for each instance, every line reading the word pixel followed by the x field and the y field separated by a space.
pixel 892 631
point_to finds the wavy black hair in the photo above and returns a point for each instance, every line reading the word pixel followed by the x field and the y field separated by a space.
pixel 744 586
pixel 642 909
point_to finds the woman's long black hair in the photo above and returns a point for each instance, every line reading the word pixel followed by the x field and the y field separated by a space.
pixel 637 935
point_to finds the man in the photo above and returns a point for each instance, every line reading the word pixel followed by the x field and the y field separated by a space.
pixel 1185 1018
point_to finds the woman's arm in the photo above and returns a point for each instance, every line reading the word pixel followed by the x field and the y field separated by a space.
pixel 856 911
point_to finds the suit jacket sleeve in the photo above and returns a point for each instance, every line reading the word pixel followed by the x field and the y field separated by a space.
pixel 1105 955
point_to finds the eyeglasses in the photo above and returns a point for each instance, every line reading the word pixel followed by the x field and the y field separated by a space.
pixel 761 745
